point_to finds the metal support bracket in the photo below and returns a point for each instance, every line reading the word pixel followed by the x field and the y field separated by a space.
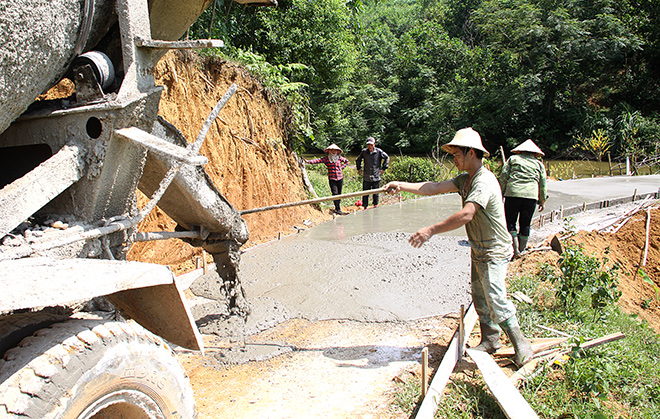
pixel 194 44
pixel 161 147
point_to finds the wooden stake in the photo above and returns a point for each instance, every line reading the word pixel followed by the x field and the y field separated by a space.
pixel 425 371
pixel 554 331
pixel 461 334
pixel 605 339
pixel 430 403
pixel 648 228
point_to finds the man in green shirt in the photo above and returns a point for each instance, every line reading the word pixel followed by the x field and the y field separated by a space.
pixel 482 215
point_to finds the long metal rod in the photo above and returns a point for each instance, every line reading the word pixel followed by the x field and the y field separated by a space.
pixel 166 235
pixel 314 201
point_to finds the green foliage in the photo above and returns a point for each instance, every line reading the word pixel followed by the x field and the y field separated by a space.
pixel 581 273
pixel 591 374
pixel 412 169
pixel 410 72
pixel 649 281
pixel 597 144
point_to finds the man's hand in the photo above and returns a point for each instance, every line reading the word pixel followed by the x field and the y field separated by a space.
pixel 420 237
pixel 541 207
pixel 359 172
pixel 393 187
pixel 382 172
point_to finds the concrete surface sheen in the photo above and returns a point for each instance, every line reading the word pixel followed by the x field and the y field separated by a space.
pixel 361 266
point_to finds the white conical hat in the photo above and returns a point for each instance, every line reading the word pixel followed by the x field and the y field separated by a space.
pixel 528 147
pixel 333 147
pixel 466 137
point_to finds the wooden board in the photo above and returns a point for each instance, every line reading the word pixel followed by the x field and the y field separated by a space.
pixel 538 345
pixel 513 404
pixel 430 403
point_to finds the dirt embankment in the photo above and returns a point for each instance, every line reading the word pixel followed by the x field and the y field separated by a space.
pixel 626 248
pixel 248 160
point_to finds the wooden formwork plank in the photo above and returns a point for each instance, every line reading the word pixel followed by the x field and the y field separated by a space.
pixel 454 353
pixel 513 404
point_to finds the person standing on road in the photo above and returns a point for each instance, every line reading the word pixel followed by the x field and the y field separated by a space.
pixel 335 163
pixel 482 215
pixel 523 184
pixel 376 161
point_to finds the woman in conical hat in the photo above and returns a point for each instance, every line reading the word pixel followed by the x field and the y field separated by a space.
pixel 335 164
pixel 529 147
pixel 523 183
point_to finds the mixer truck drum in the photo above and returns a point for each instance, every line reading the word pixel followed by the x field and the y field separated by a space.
pixel 101 65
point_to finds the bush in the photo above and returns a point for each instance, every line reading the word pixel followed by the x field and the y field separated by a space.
pixel 412 169
pixel 581 273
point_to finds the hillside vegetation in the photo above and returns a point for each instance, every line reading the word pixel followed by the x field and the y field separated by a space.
pixel 579 78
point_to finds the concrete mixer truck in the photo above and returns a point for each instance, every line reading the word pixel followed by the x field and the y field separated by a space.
pixel 69 171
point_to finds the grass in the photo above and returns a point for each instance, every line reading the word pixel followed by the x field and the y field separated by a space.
pixel 619 379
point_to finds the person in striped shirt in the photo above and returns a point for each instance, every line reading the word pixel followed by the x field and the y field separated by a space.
pixel 335 163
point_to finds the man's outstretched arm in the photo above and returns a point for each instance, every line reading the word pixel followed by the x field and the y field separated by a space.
pixel 454 221
pixel 422 188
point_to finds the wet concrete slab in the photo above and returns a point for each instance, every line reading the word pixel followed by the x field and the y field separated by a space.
pixel 361 266
pixel 578 191
pixel 366 277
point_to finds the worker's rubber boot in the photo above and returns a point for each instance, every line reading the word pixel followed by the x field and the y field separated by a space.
pixel 490 337
pixel 522 243
pixel 522 347
pixel 514 242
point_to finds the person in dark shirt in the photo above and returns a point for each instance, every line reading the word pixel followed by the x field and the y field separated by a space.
pixel 376 161
pixel 335 164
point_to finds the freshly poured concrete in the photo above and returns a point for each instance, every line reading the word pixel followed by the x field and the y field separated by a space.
pixel 361 266
pixel 578 191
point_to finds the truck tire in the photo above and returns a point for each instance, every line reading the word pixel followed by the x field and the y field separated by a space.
pixel 93 369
